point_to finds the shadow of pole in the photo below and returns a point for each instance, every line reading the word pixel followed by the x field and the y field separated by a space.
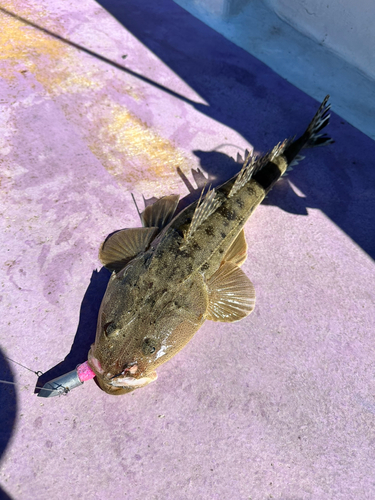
pixel 99 57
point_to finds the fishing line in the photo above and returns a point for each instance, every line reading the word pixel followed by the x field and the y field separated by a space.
pixel 37 373
pixel 14 383
pixel 224 144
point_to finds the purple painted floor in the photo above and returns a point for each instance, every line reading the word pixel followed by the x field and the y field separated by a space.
pixel 280 405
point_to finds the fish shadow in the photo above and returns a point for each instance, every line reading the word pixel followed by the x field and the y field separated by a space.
pixel 8 410
pixel 86 329
pixel 245 95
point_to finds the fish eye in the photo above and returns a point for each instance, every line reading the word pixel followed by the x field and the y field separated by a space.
pixel 148 346
pixel 110 329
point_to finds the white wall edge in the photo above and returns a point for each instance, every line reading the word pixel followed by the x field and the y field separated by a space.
pixel 310 66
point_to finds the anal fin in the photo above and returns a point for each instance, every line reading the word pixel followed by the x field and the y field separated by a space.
pixel 231 294
pixel 237 252
pixel 121 247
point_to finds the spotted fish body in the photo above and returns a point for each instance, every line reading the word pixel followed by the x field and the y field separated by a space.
pixel 177 271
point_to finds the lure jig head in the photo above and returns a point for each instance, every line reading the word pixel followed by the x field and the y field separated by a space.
pixel 67 382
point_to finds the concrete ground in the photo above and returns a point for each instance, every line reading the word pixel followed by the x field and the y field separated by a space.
pixel 280 405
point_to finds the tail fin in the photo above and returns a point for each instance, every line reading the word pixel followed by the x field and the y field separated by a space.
pixel 320 120
pixel 311 137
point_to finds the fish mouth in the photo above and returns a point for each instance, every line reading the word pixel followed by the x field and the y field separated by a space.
pixel 125 381
pixel 128 377
pixel 123 384
pixel 132 382
pixel 108 378
pixel 125 378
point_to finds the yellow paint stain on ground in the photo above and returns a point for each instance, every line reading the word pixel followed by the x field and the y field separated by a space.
pixel 127 147
pixel 24 47
pixel 136 139
pixel 133 152
pixel 21 43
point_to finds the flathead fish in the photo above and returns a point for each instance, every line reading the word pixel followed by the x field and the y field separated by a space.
pixel 176 272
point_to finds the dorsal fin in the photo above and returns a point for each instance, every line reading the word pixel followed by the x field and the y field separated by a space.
pixel 160 213
pixel 231 294
pixel 203 210
pixel 253 164
pixel 121 247
pixel 244 175
pixel 237 252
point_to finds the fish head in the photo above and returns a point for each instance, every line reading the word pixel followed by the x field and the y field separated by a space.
pixel 139 329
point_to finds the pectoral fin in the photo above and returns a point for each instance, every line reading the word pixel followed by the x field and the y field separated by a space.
pixel 237 252
pixel 231 294
pixel 160 213
pixel 123 246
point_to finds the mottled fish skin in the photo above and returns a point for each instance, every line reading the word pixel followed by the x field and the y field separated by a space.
pixel 173 274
